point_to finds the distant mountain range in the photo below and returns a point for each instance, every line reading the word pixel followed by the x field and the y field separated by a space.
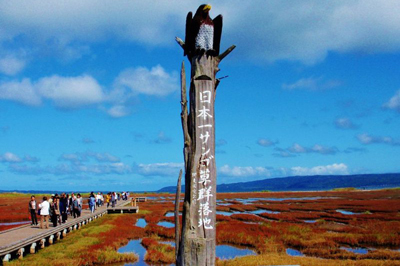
pixel 305 183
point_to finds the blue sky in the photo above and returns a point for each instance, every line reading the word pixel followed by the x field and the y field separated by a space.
pixel 89 91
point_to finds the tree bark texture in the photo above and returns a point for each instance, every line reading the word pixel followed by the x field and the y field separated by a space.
pixel 198 236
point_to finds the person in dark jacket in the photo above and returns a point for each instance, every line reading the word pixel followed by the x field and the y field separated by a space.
pixel 33 209
pixel 63 207
pixel 92 202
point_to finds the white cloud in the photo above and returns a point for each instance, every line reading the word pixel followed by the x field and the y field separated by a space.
pixel 394 102
pixel 345 123
pixel 22 92
pixel 160 169
pixel 162 138
pixel 155 81
pixel 312 84
pixel 317 148
pixel 80 157
pixel 64 92
pixel 297 148
pixel 333 169
pixel 70 92
pixel 10 65
pixel 68 169
pixel 266 142
pixel 366 139
pixel 82 91
pixel 118 111
pixel 247 171
pixel 264 30
pixel 9 157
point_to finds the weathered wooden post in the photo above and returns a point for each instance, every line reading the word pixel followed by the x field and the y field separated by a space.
pixel 197 240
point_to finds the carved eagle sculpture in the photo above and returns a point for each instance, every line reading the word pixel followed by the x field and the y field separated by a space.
pixel 202 33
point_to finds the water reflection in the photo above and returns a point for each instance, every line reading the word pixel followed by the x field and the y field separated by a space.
pixel 262 211
pixel 135 247
pixel 227 213
pixel 16 223
pixel 229 252
pixel 141 223
pixel 310 221
pixel 166 224
pixel 294 252
pixel 356 250
pixel 347 212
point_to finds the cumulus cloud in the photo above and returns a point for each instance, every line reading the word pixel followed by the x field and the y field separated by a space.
pixel 86 156
pixel 345 123
pixel 84 90
pixel 20 91
pixel 366 139
pixel 162 138
pixel 394 102
pixel 266 142
pixel 118 111
pixel 304 31
pixel 297 148
pixel 247 171
pixel 68 169
pixel 10 65
pixel 160 169
pixel 259 172
pixel 70 92
pixel 333 169
pixel 64 92
pixel 155 81
pixel 311 84
pixel 10 157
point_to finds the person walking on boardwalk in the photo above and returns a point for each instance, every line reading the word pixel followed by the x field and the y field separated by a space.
pixel 92 202
pixel 55 211
pixel 63 207
pixel 33 209
pixel 44 213
pixel 80 203
pixel 108 198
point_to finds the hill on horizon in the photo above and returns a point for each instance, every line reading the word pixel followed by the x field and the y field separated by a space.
pixel 304 183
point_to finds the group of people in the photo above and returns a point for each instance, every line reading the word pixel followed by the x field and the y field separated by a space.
pixel 98 200
pixel 56 208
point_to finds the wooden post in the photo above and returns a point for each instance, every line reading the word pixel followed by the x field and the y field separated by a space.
pixel 197 243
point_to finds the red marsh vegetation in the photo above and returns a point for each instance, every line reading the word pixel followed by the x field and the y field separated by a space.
pixel 320 225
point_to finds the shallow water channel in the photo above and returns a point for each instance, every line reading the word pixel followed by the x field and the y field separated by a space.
pixel 222 251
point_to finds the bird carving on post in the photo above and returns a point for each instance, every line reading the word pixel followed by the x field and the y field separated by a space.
pixel 195 245
pixel 203 35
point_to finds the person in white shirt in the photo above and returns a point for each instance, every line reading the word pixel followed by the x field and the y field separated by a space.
pixel 44 213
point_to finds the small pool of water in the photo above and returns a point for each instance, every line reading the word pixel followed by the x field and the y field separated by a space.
pixel 249 200
pixel 166 224
pixel 226 213
pixel 356 250
pixel 16 223
pixel 262 211
pixel 310 221
pixel 294 252
pixel 230 252
pixel 347 212
pixel 171 214
pixel 135 247
pixel 141 223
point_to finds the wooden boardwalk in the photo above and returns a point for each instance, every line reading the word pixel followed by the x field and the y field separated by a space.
pixel 16 242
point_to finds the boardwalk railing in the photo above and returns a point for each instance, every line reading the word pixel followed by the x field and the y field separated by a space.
pixel 16 242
